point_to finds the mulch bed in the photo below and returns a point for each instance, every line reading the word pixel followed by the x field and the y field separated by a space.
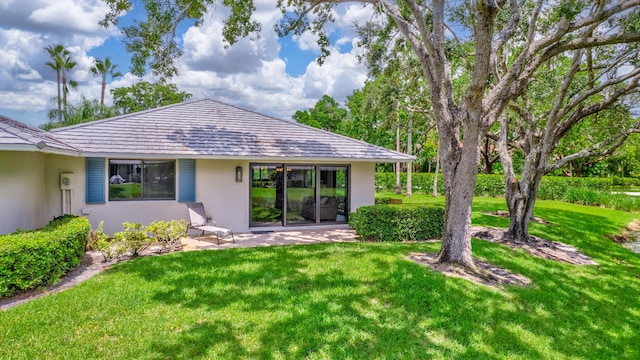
pixel 542 248
pixel 494 276
pixel 487 274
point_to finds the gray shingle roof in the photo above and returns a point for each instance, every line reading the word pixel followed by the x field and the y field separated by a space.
pixel 207 128
pixel 15 135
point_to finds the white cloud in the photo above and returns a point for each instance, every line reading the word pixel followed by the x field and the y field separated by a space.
pixel 249 74
pixel 71 15
pixel 307 41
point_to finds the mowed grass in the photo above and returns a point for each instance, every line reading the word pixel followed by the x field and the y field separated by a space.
pixel 351 300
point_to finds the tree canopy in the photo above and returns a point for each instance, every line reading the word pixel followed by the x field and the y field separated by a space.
pixel 471 80
pixel 144 95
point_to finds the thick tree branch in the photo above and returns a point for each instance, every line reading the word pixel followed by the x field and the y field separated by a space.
pixel 604 148
pixel 576 100
pixel 564 89
pixel 586 111
pixel 515 12
pixel 483 35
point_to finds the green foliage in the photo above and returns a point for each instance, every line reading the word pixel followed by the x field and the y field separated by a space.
pixel 383 200
pixel 99 241
pixel 168 233
pixel 326 114
pixel 586 191
pixel 37 258
pixel 489 185
pixel 152 41
pixel 397 223
pixel 86 110
pixel 143 96
pixel 134 238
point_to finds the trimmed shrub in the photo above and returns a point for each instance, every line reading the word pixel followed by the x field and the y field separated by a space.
pixel 383 200
pixel 38 258
pixel 489 185
pixel 588 191
pixel 583 196
pixel 108 247
pixel 168 233
pixel 133 238
pixel 398 223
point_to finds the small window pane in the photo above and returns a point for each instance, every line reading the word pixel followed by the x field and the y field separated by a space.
pixel 137 179
pixel 159 180
pixel 125 179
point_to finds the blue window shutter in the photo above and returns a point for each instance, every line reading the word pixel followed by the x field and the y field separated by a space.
pixel 96 178
pixel 186 180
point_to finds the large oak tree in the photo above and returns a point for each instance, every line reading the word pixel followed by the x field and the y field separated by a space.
pixel 522 28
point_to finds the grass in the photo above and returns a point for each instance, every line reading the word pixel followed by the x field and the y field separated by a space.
pixel 352 300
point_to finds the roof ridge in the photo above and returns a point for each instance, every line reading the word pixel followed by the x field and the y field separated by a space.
pixel 123 116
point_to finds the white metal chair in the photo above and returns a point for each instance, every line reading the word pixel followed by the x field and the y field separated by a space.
pixel 199 221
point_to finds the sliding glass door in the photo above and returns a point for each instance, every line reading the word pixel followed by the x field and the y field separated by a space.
pixel 333 194
pixel 301 195
pixel 284 195
pixel 267 194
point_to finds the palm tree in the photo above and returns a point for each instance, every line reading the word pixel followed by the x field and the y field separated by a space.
pixel 102 69
pixel 58 54
pixel 67 65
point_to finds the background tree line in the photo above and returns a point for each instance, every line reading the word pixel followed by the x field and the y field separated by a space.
pixel 137 97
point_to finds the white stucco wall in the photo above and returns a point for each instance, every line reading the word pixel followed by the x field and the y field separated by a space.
pixel 54 166
pixel 362 184
pixel 22 191
pixel 225 200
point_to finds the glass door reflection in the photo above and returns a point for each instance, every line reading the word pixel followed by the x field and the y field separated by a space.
pixel 300 194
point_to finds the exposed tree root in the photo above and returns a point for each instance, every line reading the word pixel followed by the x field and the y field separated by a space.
pixel 535 246
pixel 481 272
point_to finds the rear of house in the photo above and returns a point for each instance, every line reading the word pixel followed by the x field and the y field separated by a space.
pixel 251 171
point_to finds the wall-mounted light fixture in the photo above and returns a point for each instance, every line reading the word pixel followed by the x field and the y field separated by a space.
pixel 238 173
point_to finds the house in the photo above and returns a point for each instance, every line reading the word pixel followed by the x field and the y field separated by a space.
pixel 250 170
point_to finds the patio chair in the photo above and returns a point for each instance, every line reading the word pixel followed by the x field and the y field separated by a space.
pixel 199 221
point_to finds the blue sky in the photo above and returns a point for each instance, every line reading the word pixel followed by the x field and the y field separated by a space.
pixel 272 76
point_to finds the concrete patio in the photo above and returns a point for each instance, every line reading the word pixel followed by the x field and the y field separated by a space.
pixel 270 238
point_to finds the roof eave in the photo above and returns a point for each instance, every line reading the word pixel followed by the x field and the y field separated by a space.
pixel 245 158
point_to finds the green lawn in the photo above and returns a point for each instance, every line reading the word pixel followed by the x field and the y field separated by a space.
pixel 353 300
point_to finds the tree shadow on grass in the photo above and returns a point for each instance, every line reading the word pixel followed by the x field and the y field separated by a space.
pixel 366 300
pixel 198 340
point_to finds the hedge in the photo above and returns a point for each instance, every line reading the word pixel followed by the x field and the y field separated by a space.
pixel 37 258
pixel 551 187
pixel 397 222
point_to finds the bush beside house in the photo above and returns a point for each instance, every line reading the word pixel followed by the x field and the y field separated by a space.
pixel 397 222
pixel 37 258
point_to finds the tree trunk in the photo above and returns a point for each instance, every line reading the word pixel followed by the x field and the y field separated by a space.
pixel 409 152
pixel 521 197
pixel 435 175
pixel 460 172
pixel 520 194
pixel 398 184
pixel 104 85
pixel 64 94
pixel 487 164
pixel 59 97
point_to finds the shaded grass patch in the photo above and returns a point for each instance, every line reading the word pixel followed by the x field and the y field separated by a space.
pixel 348 300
